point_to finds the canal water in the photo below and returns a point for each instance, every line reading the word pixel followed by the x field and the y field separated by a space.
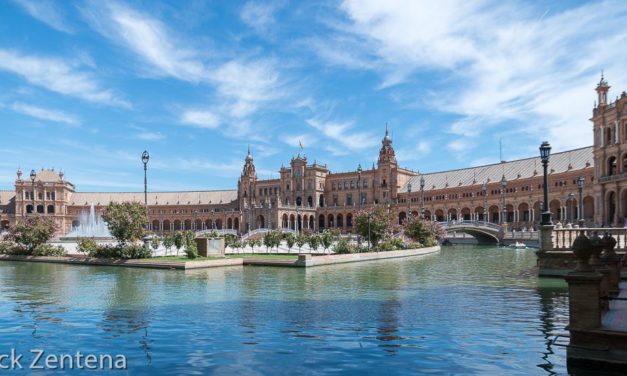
pixel 468 309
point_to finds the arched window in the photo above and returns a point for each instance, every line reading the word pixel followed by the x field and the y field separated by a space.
pixel 310 201
pixel 611 166
pixel 29 209
pixel 299 201
pixel 40 209
pixel 50 209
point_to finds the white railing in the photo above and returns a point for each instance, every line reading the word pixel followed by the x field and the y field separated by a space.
pixel 563 238
pixel 219 232
pixel 255 232
pixel 462 223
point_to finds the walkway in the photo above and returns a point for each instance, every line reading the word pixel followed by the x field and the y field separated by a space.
pixel 616 317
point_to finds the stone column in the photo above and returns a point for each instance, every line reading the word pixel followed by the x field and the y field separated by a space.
pixel 584 291
pixel 546 238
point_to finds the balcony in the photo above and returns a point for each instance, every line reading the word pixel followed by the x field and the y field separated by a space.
pixel 610 178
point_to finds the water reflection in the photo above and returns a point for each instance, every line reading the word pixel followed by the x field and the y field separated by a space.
pixel 466 310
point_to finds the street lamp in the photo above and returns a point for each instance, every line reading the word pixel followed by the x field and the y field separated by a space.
pixel 145 159
pixel 33 175
pixel 503 186
pixel 571 206
pixel 422 197
pixel 408 200
pixel 580 183
pixel 545 152
pixel 484 189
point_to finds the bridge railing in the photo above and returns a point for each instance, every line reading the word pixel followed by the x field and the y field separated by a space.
pixel 563 238
pixel 219 232
pixel 463 223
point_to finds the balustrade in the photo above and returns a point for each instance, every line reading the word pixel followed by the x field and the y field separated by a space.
pixel 563 238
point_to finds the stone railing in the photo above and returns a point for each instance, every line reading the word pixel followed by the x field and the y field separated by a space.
pixel 605 179
pixel 563 238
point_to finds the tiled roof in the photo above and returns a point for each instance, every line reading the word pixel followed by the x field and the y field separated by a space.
pixel 155 198
pixel 48 176
pixel 578 159
pixel 6 196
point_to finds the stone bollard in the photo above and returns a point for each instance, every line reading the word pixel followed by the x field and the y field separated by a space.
pixel 546 238
pixel 584 290
pixel 612 262
pixel 304 260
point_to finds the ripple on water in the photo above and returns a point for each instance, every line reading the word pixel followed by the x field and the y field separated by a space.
pixel 473 310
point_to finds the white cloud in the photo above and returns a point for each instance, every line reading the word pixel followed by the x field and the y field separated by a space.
pixel 259 16
pixel 46 12
pixel 424 147
pixel 342 134
pixel 459 145
pixel 200 119
pixel 58 75
pixel 148 38
pixel 44 114
pixel 150 136
pixel 499 62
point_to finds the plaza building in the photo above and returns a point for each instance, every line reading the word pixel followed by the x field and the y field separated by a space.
pixel 310 196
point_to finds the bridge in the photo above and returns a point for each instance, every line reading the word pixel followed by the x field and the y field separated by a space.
pixel 484 232
pixel 260 232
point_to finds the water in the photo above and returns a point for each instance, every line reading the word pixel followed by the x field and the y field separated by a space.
pixel 91 225
pixel 471 310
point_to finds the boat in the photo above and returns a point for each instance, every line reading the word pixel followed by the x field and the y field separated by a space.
pixel 518 245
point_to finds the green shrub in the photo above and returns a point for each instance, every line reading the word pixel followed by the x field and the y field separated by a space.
pixel 343 246
pixel 314 242
pixel 118 251
pixel 49 250
pixel 87 246
pixel 155 242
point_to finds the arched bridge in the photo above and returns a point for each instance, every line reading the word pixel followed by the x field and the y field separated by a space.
pixel 484 232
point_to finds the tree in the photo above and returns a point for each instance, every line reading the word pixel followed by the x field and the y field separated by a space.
pixel 32 232
pixel 314 242
pixel 301 240
pixel 379 224
pixel 168 242
pixel 154 242
pixel 290 239
pixel 276 239
pixel 179 241
pixel 424 232
pixel 327 239
pixel 268 241
pixel 126 221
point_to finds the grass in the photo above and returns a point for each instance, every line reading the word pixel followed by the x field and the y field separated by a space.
pixel 180 258
pixel 272 256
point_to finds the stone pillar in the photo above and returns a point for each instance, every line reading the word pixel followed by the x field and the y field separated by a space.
pixel 546 238
pixel 584 291
pixel 584 295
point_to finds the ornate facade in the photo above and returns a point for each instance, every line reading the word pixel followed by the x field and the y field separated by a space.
pixel 310 196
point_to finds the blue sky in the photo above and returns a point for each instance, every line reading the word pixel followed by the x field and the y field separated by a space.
pixel 88 85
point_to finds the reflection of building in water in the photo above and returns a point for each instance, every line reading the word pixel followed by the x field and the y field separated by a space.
pixel 310 196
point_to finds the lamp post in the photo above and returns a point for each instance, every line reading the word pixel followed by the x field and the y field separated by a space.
pixel 145 159
pixel 571 206
pixel 422 197
pixel 503 186
pixel 580 182
pixel 33 175
pixel 484 190
pixel 408 200
pixel 545 152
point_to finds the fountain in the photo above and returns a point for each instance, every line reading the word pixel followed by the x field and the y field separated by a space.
pixel 91 226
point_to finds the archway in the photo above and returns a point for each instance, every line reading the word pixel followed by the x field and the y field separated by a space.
pixel 401 217
pixel 320 221
pixel 537 211
pixel 588 208
pixel 480 213
pixel 188 224
pixel 198 224
pixel 208 224
pixel 236 224
pixel 229 223
pixel 311 222
pixel 260 221
pixel 177 225
pixel 439 215
pixel 167 225
pixel 155 225
pixel 428 214
pixel 349 220
pixel 219 224
pixel 452 214
pixel 330 221
pixel 509 210
pixel 494 214
pixel 466 214
pixel 284 223
pixel 340 221
pixel 292 222
pixel 523 212
pixel 556 210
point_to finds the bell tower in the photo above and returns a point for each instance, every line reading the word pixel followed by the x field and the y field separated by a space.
pixel 386 171
pixel 246 190
pixel 602 89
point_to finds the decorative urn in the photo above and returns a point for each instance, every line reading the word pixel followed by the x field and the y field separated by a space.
pixel 582 248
